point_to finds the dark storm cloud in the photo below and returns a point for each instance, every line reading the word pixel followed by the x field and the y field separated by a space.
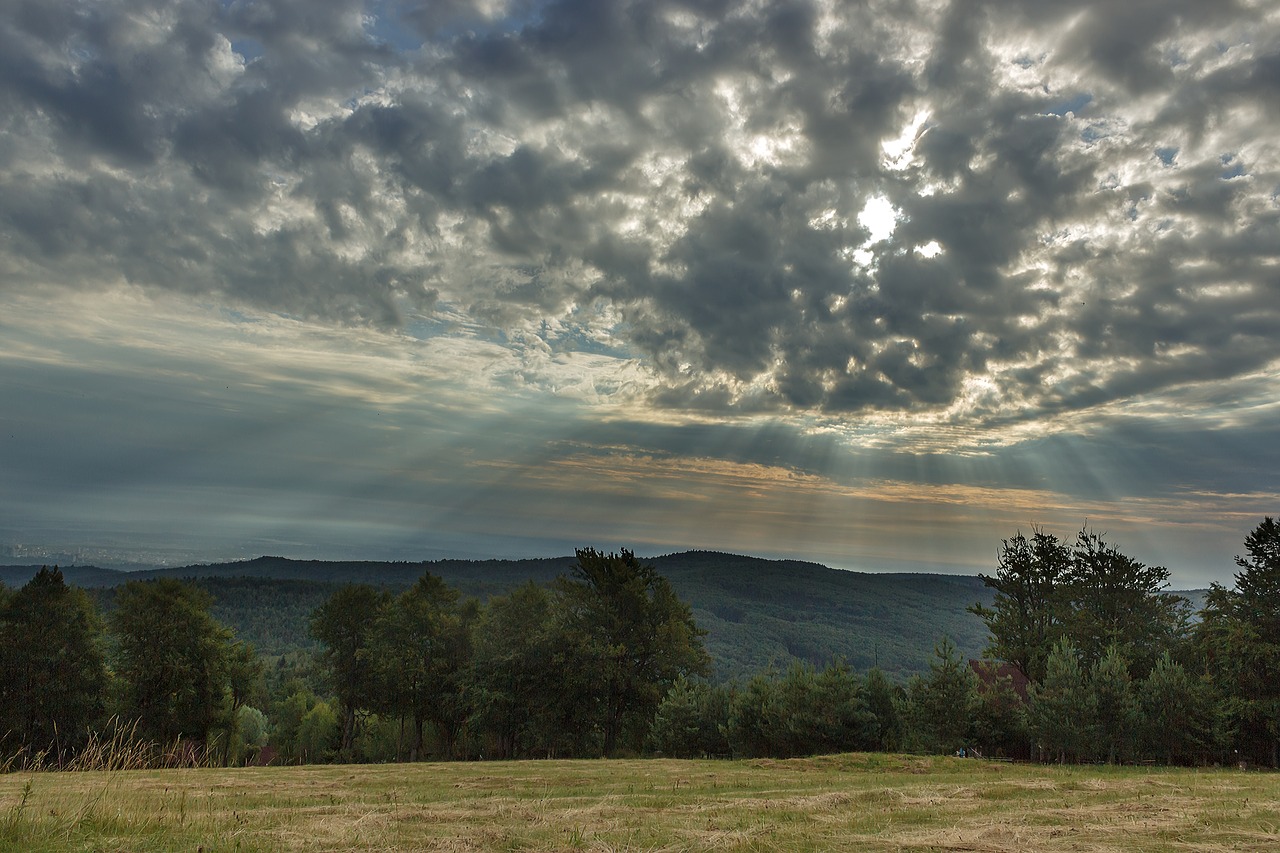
pixel 700 168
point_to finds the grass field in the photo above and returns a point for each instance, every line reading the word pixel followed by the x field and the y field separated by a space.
pixel 848 802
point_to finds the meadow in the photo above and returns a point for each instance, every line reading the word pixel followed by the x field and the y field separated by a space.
pixel 866 802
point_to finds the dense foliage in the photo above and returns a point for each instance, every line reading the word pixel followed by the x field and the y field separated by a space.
pixel 52 669
pixel 172 659
pixel 757 613
pixel 164 669
pixel 1239 640
pixel 1089 659
pixel 575 669
pixel 1090 592
pixel 632 635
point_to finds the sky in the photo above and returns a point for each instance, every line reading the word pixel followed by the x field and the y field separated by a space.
pixel 872 284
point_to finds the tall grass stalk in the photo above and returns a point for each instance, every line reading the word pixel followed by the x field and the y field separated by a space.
pixel 104 804
pixel 118 747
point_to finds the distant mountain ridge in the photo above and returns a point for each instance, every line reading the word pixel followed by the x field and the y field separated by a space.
pixel 756 612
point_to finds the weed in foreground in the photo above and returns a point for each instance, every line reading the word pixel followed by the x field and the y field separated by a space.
pixel 117 747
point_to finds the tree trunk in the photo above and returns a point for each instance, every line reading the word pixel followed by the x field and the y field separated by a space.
pixel 348 730
pixel 418 724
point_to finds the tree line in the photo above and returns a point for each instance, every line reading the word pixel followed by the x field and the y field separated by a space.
pixel 576 668
pixel 1090 659
pixel 1095 631
pixel 161 669
pixel 571 670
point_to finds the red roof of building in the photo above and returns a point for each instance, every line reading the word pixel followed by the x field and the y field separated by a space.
pixel 989 672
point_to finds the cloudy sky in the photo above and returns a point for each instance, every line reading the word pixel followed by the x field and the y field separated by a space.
pixel 872 284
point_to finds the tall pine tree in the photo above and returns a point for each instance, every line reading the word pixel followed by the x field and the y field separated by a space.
pixel 1239 637
pixel 1062 707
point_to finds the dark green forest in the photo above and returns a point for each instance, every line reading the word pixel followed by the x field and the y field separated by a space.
pixel 1087 656
pixel 756 612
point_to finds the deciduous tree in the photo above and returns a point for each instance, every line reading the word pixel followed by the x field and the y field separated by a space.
pixel 1090 592
pixel 422 650
pixel 1112 600
pixel 639 635
pixel 518 681
pixel 52 671
pixel 1026 617
pixel 345 624
pixel 171 659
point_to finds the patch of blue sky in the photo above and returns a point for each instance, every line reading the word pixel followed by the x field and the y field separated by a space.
pixel 248 48
pixel 237 316
pixel 1174 56
pixel 1167 154
pixel 577 338
pixel 1074 104
pixel 354 102
pixel 388 25
pixel 1094 132
pixel 426 328
pixel 384 25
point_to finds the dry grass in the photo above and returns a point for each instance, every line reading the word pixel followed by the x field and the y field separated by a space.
pixel 117 747
pixel 852 802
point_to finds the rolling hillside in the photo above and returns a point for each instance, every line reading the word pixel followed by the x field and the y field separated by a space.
pixel 756 612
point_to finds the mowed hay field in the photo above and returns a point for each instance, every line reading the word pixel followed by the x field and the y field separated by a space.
pixel 847 802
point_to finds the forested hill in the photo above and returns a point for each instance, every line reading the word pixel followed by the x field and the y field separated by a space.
pixel 761 611
pixel 480 578
pixel 756 612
